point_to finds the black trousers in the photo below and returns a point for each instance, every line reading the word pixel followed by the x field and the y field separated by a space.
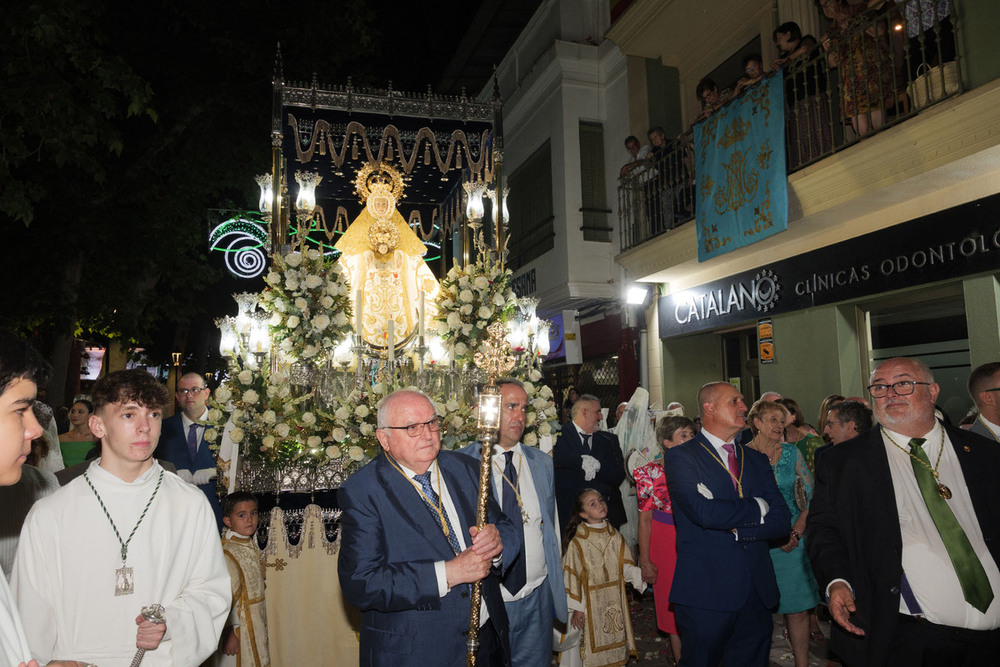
pixel 922 643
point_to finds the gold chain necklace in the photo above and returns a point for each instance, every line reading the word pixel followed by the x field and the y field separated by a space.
pixel 942 490
pixel 515 487
pixel 439 505
pixel 738 480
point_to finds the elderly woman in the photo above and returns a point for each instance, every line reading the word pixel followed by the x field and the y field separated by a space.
pixel 796 582
pixel 657 536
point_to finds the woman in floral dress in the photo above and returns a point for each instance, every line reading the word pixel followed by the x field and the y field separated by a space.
pixel 657 535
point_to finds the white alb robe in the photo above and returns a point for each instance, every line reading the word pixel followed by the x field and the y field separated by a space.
pixel 13 643
pixel 68 555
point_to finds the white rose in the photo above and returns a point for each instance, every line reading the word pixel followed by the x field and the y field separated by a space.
pixel 466 295
pixel 237 414
pixel 343 413
pixel 279 306
pixel 530 439
pixel 308 418
pixel 333 288
pixel 250 396
pixel 293 259
pixel 314 441
pixel 362 411
pixel 284 392
pixel 326 301
pixel 267 442
pixel 534 375
pixel 529 388
pixel 269 417
pixel 366 429
pixel 481 282
pixel 222 394
pixel 211 434
pixel 463 281
pixel 286 345
pixel 356 453
pixel 340 319
pixel 301 303
pixel 461 349
pixel 310 351
pixel 282 430
pixel 291 284
pixel 498 300
pixel 313 254
pixel 544 428
pixel 312 282
pixel 214 415
pixel 481 324
pixel 236 435
pixel 529 419
pixel 320 322
pixel 293 321
pixel 484 313
pixel 275 320
pixel 466 309
pixel 272 278
pixel 245 377
pixel 272 390
pixel 454 320
pixel 466 329
pixel 443 327
pixel 339 435
pixel 333 451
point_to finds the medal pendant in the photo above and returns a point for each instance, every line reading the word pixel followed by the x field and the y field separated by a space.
pixel 944 491
pixel 124 581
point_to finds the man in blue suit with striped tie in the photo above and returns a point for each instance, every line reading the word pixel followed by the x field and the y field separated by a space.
pixel 533 590
pixel 410 549
pixel 182 441
pixel 726 507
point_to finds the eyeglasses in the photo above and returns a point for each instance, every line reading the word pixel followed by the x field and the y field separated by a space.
pixel 413 430
pixel 992 389
pixel 901 388
pixel 194 391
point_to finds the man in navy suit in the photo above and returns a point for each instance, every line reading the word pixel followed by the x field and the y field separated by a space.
pixel 726 508
pixel 984 389
pixel 410 548
pixel 587 458
pixel 533 590
pixel 182 441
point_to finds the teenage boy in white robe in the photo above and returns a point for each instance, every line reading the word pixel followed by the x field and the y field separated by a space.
pixel 123 536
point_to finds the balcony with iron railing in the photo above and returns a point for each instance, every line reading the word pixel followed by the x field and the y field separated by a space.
pixel 884 68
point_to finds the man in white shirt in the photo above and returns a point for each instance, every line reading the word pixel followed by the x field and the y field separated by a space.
pixel 533 590
pixel 984 389
pixel 904 536
pixel 183 441
pixel 121 537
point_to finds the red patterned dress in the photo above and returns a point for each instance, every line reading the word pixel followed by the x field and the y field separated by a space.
pixel 653 496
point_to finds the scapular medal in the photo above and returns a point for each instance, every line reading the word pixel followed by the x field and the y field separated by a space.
pixel 124 581
pixel 944 491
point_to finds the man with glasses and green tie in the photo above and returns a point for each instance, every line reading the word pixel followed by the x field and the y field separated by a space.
pixel 904 533
pixel 183 440
pixel 410 549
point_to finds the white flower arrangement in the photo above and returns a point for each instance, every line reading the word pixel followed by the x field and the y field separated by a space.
pixel 308 298
pixel 471 298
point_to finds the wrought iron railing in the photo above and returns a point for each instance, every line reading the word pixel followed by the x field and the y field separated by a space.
pixel 881 69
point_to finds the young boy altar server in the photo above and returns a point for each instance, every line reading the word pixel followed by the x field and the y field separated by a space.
pixel 122 537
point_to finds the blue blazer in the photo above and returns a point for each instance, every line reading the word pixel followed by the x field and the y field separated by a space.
pixel 389 543
pixel 173 447
pixel 716 569
pixel 540 465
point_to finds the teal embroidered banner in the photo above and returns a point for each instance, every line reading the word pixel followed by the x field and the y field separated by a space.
pixel 740 163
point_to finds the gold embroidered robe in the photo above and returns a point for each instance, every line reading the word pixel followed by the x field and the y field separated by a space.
pixel 247 574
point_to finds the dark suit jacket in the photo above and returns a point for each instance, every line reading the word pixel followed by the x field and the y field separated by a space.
pixel 569 478
pixel 173 448
pixel 715 569
pixel 853 531
pixel 388 546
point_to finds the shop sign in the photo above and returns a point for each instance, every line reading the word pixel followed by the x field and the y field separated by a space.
pixel 960 241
